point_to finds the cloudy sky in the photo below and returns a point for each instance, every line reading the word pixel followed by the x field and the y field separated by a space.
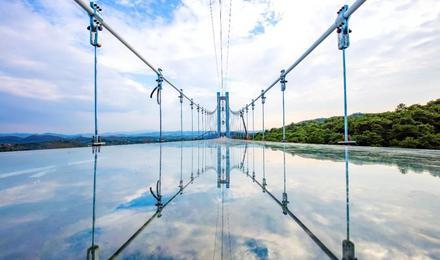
pixel 46 63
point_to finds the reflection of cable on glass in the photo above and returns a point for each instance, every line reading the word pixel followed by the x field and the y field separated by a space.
pixel 244 157
pixel 216 230
pixel 287 211
pixel 192 162
pixel 158 194
pixel 253 162
pixel 348 252
pixel 285 200
pixel 181 167
pixel 156 214
pixel 198 158
pixel 229 233
pixel 264 169
pixel 93 250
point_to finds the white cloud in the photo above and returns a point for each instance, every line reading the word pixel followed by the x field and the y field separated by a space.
pixel 394 48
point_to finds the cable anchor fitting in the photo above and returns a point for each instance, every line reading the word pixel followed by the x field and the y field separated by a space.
pixel 284 203
pixel 181 187
pixel 158 198
pixel 253 104
pixel 283 80
pixel 264 184
pixel 181 96
pixel 342 29
pixel 158 88
pixel 95 24
pixel 263 97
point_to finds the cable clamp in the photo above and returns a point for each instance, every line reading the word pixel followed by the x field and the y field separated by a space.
pixel 95 24
pixel 342 29
pixel 158 197
pixel 284 203
pixel 264 184
pixel 158 88
pixel 181 96
pixel 283 80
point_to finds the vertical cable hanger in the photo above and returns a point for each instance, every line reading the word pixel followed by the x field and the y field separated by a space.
pixel 181 141
pixel 253 120
pixel 181 114
pixel 247 120
pixel 158 194
pixel 94 28
pixel 198 121
pixel 343 43
pixel 263 100
pixel 192 118
pixel 283 82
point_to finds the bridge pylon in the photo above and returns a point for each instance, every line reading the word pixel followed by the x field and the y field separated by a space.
pixel 223 115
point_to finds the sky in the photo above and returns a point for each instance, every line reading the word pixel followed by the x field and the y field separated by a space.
pixel 46 61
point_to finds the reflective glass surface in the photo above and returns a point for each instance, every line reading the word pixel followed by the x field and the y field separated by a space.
pixel 220 199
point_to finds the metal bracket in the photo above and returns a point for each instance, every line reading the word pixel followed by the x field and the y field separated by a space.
pixel 284 203
pixel 95 24
pixel 283 80
pixel 158 88
pixel 181 187
pixel 158 198
pixel 343 30
pixel 263 97
pixel 348 252
pixel 93 252
pixel 181 96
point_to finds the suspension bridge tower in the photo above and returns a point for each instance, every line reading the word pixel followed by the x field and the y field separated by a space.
pixel 223 114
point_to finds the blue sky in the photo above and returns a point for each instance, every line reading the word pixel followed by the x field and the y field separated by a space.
pixel 46 62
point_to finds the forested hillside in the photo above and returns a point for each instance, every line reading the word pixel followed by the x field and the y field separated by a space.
pixel 415 126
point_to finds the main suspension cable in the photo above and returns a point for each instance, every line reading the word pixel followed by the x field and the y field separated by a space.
pixel 213 39
pixel 221 45
pixel 227 45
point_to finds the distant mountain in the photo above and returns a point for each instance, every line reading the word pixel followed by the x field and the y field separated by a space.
pixel 18 142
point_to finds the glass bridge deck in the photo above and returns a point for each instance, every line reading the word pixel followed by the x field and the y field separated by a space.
pixel 220 199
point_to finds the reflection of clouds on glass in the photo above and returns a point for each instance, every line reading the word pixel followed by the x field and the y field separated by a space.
pixel 407 160
pixel 392 215
pixel 27 171
pixel 27 193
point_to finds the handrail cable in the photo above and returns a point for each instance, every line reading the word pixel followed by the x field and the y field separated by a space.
pixel 334 26
pixel 90 11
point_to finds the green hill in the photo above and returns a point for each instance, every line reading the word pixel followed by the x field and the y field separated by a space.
pixel 416 126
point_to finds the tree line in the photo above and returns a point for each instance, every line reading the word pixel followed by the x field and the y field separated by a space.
pixel 415 126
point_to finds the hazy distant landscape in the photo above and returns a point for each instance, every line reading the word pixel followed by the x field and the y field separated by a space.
pixel 415 126
pixel 23 141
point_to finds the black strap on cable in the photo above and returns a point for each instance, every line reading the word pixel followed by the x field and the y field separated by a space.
pixel 158 88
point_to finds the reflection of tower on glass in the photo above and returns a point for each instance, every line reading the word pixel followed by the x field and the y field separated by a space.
pixel 223 167
pixel 348 252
